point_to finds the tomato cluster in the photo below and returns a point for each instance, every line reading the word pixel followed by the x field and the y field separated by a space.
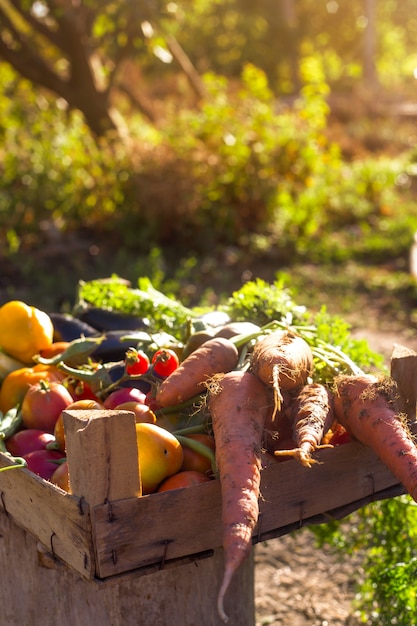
pixel 164 361
pixel 43 391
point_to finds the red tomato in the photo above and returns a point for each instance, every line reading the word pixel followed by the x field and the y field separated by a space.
pixel 80 390
pixel 142 412
pixel 164 362
pixel 78 405
pixel 43 403
pixel 26 441
pixel 151 401
pixel 182 479
pixel 194 460
pixel 43 462
pixel 340 436
pixel 60 477
pixel 124 394
pixel 137 362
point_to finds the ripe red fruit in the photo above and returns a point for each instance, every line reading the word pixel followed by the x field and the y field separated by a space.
pixel 137 362
pixel 26 441
pixel 164 362
pixel 43 403
pixel 124 394
pixel 43 462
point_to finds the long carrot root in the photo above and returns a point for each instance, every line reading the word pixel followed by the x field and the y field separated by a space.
pixel 303 453
pixel 238 405
pixel 312 416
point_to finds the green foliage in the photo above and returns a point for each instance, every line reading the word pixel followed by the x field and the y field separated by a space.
pixel 246 173
pixel 260 302
pixel 385 534
pixel 163 312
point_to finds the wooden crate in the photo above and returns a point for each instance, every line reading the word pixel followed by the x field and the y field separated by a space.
pixel 105 533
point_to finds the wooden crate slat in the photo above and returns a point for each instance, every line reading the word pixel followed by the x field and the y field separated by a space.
pixel 57 519
pixel 135 533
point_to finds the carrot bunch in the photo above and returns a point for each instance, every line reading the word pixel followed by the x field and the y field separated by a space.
pixel 270 402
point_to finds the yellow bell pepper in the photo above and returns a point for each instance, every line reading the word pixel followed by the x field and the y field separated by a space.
pixel 24 330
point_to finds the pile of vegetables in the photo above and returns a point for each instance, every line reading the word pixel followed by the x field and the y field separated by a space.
pixel 258 380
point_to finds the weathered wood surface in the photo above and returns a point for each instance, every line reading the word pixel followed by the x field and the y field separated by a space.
pixel 59 520
pixel 102 455
pixel 38 591
pixel 132 534
pixel 404 372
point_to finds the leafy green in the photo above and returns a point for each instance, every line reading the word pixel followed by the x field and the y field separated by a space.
pixel 385 534
pixel 164 313
pixel 264 304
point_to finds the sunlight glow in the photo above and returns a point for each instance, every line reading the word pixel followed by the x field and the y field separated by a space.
pixel 332 6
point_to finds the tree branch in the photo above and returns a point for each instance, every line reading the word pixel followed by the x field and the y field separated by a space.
pixel 40 27
pixel 187 67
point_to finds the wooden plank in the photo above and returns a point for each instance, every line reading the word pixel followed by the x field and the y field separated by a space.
pixel 404 372
pixel 60 521
pixel 102 455
pixel 34 593
pixel 155 528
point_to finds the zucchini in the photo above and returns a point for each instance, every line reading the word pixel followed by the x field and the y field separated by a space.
pixel 8 364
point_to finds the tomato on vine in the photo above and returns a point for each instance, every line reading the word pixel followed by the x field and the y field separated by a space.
pixel 137 362
pixel 164 362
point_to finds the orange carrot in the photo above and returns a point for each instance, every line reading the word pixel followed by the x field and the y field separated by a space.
pixel 239 405
pixel 366 407
pixel 217 355
pixel 312 416
pixel 283 360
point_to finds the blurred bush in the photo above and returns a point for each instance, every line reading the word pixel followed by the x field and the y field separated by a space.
pixel 242 169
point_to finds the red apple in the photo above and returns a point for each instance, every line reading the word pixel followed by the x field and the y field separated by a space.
pixel 122 395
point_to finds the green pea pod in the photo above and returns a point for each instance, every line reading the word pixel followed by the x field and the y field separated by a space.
pixel 82 347
pixel 10 423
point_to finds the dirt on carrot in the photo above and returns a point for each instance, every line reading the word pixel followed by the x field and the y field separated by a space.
pixel 283 360
pixel 312 416
pixel 238 403
pixel 367 407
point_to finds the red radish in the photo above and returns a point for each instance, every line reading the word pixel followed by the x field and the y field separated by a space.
pixel 238 405
pixel 366 407
pixel 43 462
pixel 25 441
pixel 282 360
pixel 312 416
pixel 124 394
pixel 214 356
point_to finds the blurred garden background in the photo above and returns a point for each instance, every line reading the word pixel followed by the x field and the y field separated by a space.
pixel 203 143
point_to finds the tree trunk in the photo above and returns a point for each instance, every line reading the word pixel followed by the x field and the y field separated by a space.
pixel 369 44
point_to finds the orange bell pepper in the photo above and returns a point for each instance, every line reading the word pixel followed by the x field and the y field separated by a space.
pixel 15 385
